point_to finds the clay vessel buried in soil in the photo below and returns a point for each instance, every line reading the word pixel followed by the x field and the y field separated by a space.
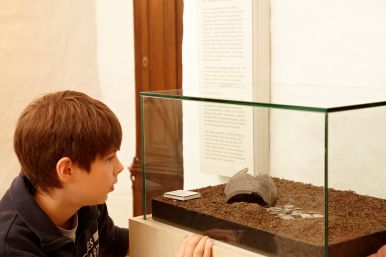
pixel 243 187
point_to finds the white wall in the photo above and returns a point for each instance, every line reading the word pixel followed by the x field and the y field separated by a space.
pixel 334 43
pixel 323 53
pixel 56 45
pixel 115 41
pixel 328 53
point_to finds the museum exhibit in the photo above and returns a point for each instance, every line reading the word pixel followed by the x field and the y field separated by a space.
pixel 280 178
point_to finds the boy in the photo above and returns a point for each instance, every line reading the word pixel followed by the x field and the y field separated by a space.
pixel 66 143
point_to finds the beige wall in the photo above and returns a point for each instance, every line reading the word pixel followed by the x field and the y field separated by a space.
pixel 67 44
pixel 43 47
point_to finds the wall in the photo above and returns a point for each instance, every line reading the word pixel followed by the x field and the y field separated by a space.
pixel 115 41
pixel 328 53
pixel 323 53
pixel 56 45
pixel 335 43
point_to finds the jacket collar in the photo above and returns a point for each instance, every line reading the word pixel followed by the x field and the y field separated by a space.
pixel 34 217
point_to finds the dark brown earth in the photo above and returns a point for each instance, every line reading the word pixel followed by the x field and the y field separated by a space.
pixel 350 215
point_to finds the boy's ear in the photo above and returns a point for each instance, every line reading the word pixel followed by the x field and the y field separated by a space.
pixel 65 169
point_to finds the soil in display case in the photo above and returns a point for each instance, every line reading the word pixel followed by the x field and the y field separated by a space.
pixel 293 227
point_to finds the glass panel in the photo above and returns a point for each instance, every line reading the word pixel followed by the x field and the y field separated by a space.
pixel 162 147
pixel 298 97
pixel 356 170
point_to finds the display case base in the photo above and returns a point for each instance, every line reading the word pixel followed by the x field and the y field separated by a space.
pixel 150 238
pixel 280 237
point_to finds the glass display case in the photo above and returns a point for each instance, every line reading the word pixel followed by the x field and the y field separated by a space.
pixel 324 155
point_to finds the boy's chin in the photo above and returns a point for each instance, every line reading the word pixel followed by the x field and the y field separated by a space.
pixel 102 200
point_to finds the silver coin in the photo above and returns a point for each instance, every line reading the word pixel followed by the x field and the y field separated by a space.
pixel 306 216
pixel 287 217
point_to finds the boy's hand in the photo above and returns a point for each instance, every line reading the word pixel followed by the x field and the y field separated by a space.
pixel 195 246
pixel 380 253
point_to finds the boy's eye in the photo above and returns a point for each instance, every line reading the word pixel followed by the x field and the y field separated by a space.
pixel 110 157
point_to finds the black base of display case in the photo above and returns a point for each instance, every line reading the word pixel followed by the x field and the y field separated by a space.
pixel 260 240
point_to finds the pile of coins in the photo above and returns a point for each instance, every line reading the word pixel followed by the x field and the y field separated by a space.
pixel 289 211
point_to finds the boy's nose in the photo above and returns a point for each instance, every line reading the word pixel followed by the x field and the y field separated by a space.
pixel 119 167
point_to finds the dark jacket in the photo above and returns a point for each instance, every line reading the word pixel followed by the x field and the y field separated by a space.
pixel 25 230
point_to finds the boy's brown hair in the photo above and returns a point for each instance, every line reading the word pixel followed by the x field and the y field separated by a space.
pixel 63 124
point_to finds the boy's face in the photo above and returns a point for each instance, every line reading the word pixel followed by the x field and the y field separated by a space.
pixel 92 187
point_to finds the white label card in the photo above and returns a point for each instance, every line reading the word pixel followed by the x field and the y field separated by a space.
pixel 182 195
